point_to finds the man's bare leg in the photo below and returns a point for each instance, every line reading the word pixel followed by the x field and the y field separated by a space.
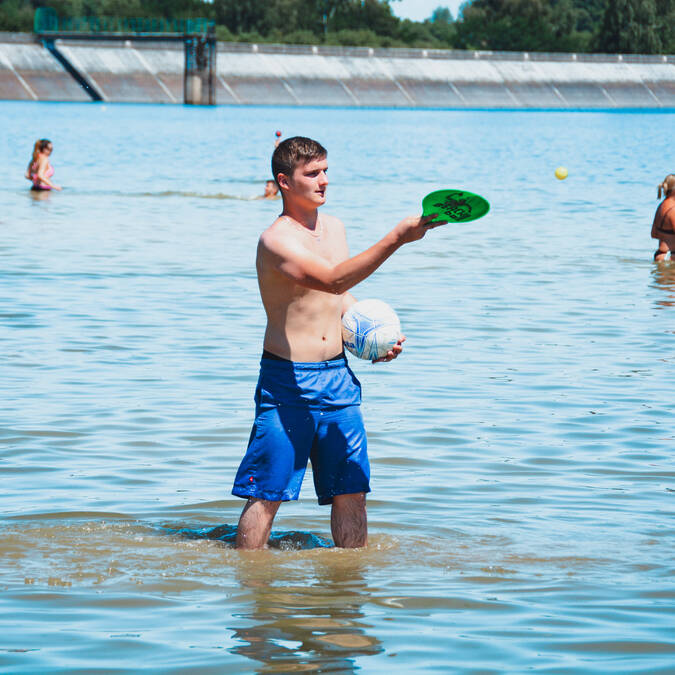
pixel 348 520
pixel 255 523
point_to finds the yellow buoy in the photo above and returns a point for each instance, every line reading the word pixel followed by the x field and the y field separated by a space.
pixel 561 173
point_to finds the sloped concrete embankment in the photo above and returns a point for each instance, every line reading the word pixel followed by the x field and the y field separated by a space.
pixel 411 78
pixel 29 72
pixel 135 71
pixel 118 71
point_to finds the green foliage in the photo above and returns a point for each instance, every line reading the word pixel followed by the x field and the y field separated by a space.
pixel 637 26
pixel 444 34
pixel 441 15
pixel 16 16
pixel 665 10
pixel 510 25
pixel 589 14
pixel 522 25
pixel 352 38
pixel 223 34
pixel 298 37
pixel 413 33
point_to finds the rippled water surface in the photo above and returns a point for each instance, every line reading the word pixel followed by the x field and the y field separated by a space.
pixel 522 446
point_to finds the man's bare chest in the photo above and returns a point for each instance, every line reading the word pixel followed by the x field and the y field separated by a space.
pixel 326 248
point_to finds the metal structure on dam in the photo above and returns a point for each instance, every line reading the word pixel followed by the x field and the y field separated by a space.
pixel 134 69
pixel 97 53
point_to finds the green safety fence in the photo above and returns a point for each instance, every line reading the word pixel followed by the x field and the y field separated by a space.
pixel 48 21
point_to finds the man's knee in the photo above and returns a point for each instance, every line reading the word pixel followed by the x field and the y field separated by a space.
pixel 262 504
pixel 258 511
pixel 349 523
pixel 355 500
pixel 255 523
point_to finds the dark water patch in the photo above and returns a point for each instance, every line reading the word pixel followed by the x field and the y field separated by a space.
pixel 634 473
pixel 666 531
pixel 31 326
pixel 401 461
pixel 143 444
pixel 16 315
pixel 112 348
pixel 50 433
pixel 663 594
pixel 284 540
pixel 551 462
pixel 35 468
pixel 608 648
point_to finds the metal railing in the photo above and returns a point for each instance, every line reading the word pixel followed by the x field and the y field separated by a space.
pixel 439 54
pixel 47 21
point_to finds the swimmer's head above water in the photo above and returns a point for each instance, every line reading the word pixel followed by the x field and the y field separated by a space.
pixel 42 146
pixel 271 190
pixel 668 185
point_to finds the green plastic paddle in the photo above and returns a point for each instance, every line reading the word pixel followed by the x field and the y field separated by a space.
pixel 455 206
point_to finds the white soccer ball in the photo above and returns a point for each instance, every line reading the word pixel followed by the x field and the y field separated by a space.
pixel 370 328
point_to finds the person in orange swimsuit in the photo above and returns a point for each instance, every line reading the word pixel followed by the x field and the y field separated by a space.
pixel 40 171
pixel 663 227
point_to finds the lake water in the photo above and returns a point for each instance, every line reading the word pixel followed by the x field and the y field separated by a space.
pixel 522 513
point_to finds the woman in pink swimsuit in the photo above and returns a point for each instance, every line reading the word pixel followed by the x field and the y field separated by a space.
pixel 39 170
pixel 663 227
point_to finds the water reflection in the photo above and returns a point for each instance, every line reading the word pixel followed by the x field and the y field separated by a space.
pixel 39 195
pixel 303 621
pixel 663 274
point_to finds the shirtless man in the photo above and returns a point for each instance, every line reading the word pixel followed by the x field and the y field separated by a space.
pixel 307 398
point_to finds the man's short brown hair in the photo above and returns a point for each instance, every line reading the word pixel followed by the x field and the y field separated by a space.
pixel 295 151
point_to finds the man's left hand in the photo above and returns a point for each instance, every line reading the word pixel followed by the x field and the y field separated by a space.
pixel 393 352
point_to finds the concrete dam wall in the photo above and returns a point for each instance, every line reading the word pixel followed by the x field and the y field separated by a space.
pixel 153 72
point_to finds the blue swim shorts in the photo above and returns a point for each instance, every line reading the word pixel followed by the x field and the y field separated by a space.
pixel 305 411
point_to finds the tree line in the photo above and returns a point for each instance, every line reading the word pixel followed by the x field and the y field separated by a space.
pixel 610 26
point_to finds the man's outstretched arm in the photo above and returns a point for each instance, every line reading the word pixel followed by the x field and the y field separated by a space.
pixel 309 270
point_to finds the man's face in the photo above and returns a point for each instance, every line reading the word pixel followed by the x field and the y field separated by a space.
pixel 309 181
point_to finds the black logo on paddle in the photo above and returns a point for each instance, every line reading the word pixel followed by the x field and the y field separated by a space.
pixel 455 207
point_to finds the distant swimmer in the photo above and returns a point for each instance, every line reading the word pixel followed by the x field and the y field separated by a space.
pixel 39 170
pixel 663 227
pixel 277 133
pixel 271 190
